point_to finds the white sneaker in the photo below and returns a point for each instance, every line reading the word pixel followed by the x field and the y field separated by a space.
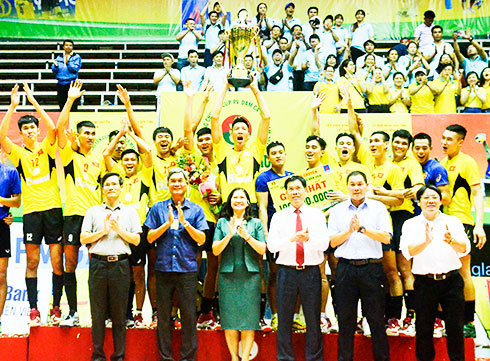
pixel 408 327
pixel 365 327
pixel 108 323
pixel 393 327
pixel 71 321
pixel 325 324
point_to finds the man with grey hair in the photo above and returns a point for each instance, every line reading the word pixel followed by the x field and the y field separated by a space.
pixel 177 225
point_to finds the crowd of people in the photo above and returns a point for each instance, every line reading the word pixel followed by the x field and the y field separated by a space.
pixel 399 230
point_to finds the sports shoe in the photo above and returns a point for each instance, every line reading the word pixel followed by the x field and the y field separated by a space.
pixel 177 324
pixel 264 326
pixel 334 328
pixel 274 323
pixel 298 324
pixel 72 320
pixel 138 321
pixel 34 318
pixel 469 330
pixel 359 329
pixel 408 327
pixel 130 322
pixel 325 324
pixel 366 330
pixel 108 323
pixel 393 328
pixel 206 321
pixel 154 320
pixel 55 316
pixel 439 328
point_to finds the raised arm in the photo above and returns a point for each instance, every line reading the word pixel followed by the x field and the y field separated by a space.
pixel 144 150
pixel 203 13
pixel 293 54
pixel 4 127
pixel 216 131
pixel 263 131
pixel 190 92
pixel 315 119
pixel 202 107
pixel 74 92
pixel 45 118
pixel 123 96
pixel 107 153
pixel 457 50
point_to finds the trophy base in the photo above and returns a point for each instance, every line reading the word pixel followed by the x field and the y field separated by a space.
pixel 239 77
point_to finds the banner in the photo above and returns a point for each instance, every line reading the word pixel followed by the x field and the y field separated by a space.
pixel 157 20
pixel 318 185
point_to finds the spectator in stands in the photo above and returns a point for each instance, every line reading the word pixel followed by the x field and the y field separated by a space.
pixel 328 91
pixel 298 72
pixel 110 228
pixel 439 47
pixel 446 90
pixel 477 58
pixel 360 32
pixel 413 61
pixel 188 40
pixel 239 239
pixel 377 93
pixel 289 21
pixel 248 62
pixel 218 9
pixel 446 59
pixel 421 93
pixel 332 61
pixel 210 30
pixel 215 75
pixel 262 21
pixel 221 46
pixel 351 84
pixel 180 222
pixel 343 34
pixel 401 47
pixel 10 196
pixel 313 62
pixel 392 66
pixel 166 78
pixel 472 97
pixel 423 32
pixel 485 84
pixel 273 43
pixel 312 27
pixel 369 47
pixel 366 71
pixel 328 38
pixel 280 71
pixel 399 97
pixel 193 72
pixel 312 12
pixel 66 68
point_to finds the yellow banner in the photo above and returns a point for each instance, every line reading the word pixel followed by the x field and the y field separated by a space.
pixel 318 185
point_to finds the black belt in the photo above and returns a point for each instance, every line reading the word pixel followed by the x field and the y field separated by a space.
pixel 116 258
pixel 439 276
pixel 360 262
pixel 299 268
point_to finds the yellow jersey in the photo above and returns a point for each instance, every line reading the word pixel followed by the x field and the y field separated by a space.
pixel 135 191
pixel 159 185
pixel 398 106
pixel 412 174
pixel 37 170
pixel 354 90
pixel 344 170
pixel 473 100
pixel 388 176
pixel 486 105
pixel 332 99
pixel 446 101
pixel 422 101
pixel 378 96
pixel 462 172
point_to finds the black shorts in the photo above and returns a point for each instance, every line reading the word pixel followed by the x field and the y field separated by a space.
pixel 45 224
pixel 397 219
pixel 468 228
pixel 208 243
pixel 138 253
pixel 4 240
pixel 72 227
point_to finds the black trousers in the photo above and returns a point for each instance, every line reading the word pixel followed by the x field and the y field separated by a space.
pixel 356 53
pixel 308 284
pixel 108 286
pixel 62 96
pixel 186 286
pixel 449 294
pixel 365 283
pixel 298 80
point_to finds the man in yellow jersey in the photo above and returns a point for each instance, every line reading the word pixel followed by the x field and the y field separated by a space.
pixel 464 182
pixel 239 165
pixel 328 90
pixel 377 92
pixel 135 192
pixel 422 93
pixel 447 86
pixel 43 218
pixel 385 186
pixel 413 180
pixel 83 170
pixel 209 203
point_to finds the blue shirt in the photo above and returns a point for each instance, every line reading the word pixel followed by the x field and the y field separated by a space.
pixel 194 74
pixel 476 65
pixel 9 185
pixel 312 74
pixel 435 173
pixel 66 73
pixel 373 215
pixel 261 186
pixel 176 250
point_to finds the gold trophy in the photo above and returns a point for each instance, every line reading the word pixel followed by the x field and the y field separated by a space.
pixel 241 37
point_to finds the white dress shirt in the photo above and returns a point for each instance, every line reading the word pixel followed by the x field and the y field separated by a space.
pixel 438 257
pixel 283 228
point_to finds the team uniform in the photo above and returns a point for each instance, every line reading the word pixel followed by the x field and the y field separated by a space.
pixel 331 92
pixel 344 170
pixel 40 193
pixel 434 173
pixel 422 101
pixel 82 179
pixel 446 101
pixel 9 185
pixel 161 167
pixel 238 169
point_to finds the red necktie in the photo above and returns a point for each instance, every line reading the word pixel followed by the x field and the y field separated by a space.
pixel 300 251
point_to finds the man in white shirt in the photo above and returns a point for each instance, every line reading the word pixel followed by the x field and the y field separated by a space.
pixel 188 40
pixel 436 241
pixel 299 236
pixel 358 227
pixel 289 21
pixel 423 32
pixel 434 52
pixel 215 74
